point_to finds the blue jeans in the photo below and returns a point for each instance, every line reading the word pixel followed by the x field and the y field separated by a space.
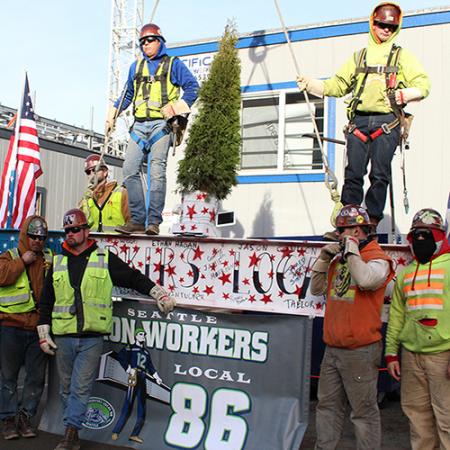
pixel 19 347
pixel 77 361
pixel 134 159
pixel 380 153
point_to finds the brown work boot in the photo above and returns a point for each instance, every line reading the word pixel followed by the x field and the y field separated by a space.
pixel 152 230
pixel 131 228
pixel 10 429
pixel 70 440
pixel 24 425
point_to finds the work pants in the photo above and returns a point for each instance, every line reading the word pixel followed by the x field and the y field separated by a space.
pixel 77 360
pixel 425 399
pixel 349 375
pixel 19 347
pixel 134 158
pixel 380 153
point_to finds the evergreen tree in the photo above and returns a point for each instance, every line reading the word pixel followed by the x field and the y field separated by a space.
pixel 213 147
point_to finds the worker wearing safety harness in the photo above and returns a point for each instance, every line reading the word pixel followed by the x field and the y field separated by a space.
pixel 105 203
pixel 22 272
pixel 153 86
pixel 382 78
pixel 77 308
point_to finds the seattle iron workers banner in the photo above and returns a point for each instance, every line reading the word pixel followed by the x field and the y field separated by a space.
pixel 224 381
pixel 266 276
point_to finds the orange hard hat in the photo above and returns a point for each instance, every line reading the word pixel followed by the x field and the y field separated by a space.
pixel 151 30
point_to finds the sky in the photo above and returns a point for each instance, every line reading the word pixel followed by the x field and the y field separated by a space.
pixel 64 44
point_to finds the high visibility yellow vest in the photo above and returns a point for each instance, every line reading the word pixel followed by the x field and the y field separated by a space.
pixel 109 217
pixel 151 92
pixel 91 313
pixel 18 297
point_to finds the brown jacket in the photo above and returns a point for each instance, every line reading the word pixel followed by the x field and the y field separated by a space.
pixel 11 269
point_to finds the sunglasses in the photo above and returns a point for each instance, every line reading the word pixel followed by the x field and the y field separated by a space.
pixel 35 237
pixel 147 40
pixel 73 230
pixel 386 26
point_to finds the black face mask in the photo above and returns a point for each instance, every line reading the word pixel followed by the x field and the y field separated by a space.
pixel 424 248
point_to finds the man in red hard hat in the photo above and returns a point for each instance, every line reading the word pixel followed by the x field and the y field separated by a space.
pixel 419 322
pixel 76 309
pixel 153 87
pixel 105 203
pixel 353 274
pixel 382 79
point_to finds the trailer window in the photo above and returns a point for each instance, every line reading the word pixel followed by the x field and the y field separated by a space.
pixel 277 132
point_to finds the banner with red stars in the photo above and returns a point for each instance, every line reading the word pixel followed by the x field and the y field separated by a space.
pixel 252 275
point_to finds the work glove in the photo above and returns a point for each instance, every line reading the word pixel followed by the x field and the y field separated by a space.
pixel 176 108
pixel 311 85
pixel 45 341
pixel 164 302
pixel 110 119
pixel 351 246
pixel 404 96
pixel 157 378
pixel 327 253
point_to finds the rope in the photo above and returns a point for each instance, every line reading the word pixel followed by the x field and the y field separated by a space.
pixel 331 181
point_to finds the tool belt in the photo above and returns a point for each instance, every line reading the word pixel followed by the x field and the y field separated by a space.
pixel 386 128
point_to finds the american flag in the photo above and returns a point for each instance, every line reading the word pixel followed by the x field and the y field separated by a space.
pixel 21 169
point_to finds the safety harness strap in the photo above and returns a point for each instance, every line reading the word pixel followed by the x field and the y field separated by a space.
pixel 145 146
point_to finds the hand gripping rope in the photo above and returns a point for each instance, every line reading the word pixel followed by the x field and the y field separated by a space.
pixel 331 181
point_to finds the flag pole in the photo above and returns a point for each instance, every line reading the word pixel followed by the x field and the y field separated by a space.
pixel 12 181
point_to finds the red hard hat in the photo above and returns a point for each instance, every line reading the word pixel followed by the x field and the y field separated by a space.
pixel 388 14
pixel 427 218
pixel 74 218
pixel 151 30
pixel 92 161
pixel 352 216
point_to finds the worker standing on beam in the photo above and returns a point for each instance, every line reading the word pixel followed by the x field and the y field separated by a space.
pixel 382 79
pixel 153 86
pixel 105 203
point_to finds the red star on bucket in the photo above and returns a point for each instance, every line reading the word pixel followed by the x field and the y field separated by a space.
pixel 301 251
pixel 205 210
pixel 193 227
pixel 191 211
pixel 182 227
pixel 251 299
pixel 280 294
pixel 171 287
pixel 246 281
pixel 401 261
pixel 215 251
pixel 266 299
pixel 190 273
pixel 181 280
pixel 124 248
pixel 157 267
pixel 208 290
pixel 212 216
pixel 135 248
pixel 201 196
pixel 270 274
pixel 225 278
pixel 213 266
pixel 254 260
pixel 231 252
pixel 195 290
pixel 318 305
pixel 158 250
pixel 140 264
pixel 298 290
pixel 226 296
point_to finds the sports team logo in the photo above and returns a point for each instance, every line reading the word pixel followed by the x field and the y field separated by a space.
pixel 99 414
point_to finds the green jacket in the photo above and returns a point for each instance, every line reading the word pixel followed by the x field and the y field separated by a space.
pixel 93 312
pixel 421 292
pixel 374 96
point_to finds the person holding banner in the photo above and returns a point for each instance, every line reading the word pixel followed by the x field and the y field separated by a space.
pixel 76 306
pixel 22 272
pixel 105 203
pixel 353 274
pixel 153 86
pixel 419 322
pixel 137 362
